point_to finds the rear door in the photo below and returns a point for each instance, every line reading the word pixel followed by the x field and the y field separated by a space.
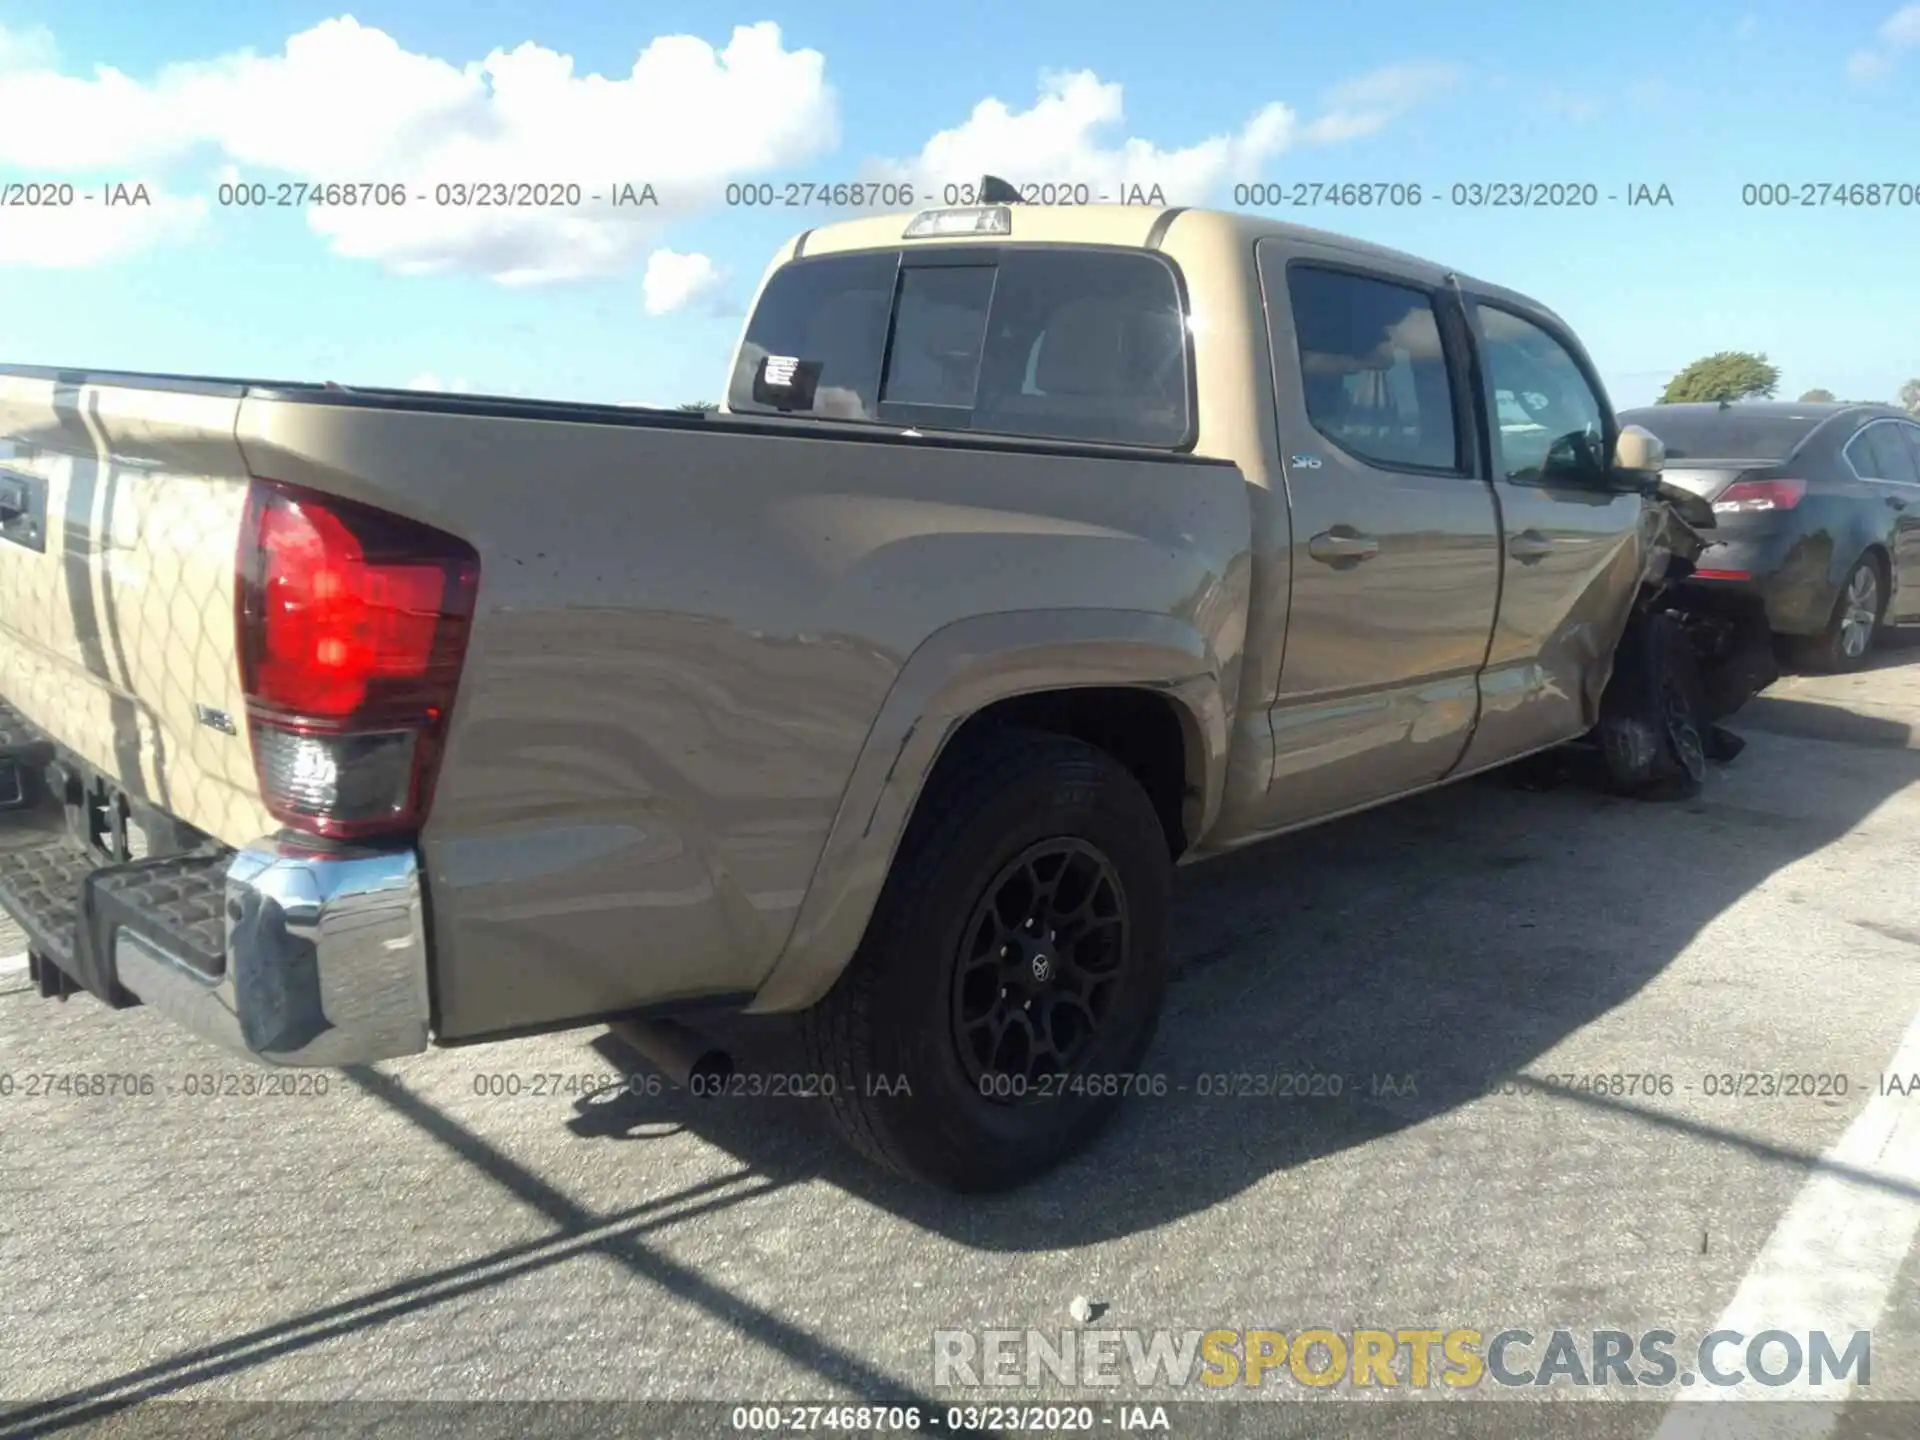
pixel 1570 549
pixel 1396 563
pixel 1886 454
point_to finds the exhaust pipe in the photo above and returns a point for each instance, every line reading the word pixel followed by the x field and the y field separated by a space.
pixel 684 1056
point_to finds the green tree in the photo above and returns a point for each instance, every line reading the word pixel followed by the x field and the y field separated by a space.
pixel 698 407
pixel 1724 375
pixel 1910 397
pixel 1818 397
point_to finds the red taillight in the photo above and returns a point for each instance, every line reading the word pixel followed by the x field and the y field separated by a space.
pixel 352 628
pixel 1745 497
pixel 1721 575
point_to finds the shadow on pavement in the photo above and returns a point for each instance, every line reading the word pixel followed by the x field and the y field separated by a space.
pixel 1452 938
pixel 1816 719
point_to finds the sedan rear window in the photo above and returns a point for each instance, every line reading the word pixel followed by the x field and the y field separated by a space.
pixel 1069 343
pixel 1725 434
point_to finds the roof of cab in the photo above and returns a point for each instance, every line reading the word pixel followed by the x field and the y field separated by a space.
pixel 1082 225
pixel 1130 225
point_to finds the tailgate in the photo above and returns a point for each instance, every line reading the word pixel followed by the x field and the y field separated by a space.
pixel 120 513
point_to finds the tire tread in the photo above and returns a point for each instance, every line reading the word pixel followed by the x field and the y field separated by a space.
pixel 838 1032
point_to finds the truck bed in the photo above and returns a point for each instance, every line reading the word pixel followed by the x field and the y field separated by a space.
pixel 687 627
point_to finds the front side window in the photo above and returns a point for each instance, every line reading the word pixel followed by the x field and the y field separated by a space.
pixel 1372 367
pixel 1547 421
pixel 1069 343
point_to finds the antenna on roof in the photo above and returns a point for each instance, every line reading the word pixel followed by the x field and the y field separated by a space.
pixel 995 191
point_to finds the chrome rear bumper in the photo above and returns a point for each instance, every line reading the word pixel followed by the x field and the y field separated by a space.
pixel 291 953
pixel 326 960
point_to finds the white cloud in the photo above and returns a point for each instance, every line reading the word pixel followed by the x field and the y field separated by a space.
pixel 1749 23
pixel 1370 102
pixel 346 102
pixel 427 380
pixel 674 281
pixel 1902 28
pixel 1899 32
pixel 88 232
pixel 1063 136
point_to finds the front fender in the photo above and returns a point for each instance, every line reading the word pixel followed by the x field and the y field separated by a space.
pixel 958 671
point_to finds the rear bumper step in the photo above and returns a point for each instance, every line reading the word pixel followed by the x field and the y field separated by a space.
pixel 291 954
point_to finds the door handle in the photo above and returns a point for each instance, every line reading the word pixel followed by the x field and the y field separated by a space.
pixel 1342 547
pixel 1898 502
pixel 1529 546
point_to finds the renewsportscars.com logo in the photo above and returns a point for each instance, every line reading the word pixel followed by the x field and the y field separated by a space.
pixel 1361 1359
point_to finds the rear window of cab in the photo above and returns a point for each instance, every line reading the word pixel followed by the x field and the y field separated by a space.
pixel 1067 343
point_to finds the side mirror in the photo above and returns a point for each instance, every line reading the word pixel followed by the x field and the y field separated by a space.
pixel 1639 451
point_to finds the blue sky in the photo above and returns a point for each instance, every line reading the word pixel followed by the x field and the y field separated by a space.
pixel 1701 99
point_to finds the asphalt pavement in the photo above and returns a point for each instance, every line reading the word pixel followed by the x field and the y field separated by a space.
pixel 1601 1065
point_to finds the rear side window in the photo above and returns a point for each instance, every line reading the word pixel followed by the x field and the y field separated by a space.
pixel 1070 343
pixel 1373 368
pixel 1877 453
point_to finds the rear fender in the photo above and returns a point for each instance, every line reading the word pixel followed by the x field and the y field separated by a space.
pixel 956 673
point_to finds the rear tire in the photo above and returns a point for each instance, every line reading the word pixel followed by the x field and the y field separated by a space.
pixel 1847 642
pixel 904 1042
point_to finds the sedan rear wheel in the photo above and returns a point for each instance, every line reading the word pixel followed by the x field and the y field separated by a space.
pixel 1848 639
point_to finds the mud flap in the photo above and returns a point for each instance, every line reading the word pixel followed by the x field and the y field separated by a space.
pixel 1654 725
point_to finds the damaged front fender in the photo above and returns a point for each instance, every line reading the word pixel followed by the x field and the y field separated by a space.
pixel 1691 655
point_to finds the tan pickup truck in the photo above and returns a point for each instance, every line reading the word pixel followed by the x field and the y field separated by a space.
pixel 1033 552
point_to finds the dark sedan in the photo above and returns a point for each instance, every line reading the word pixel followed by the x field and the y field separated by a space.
pixel 1818 510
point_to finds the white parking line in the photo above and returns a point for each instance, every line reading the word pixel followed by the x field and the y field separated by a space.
pixel 11 963
pixel 1829 1265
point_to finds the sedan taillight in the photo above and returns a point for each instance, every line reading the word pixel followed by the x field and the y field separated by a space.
pixel 1746 497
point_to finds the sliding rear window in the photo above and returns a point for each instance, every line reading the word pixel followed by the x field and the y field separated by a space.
pixel 1070 343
